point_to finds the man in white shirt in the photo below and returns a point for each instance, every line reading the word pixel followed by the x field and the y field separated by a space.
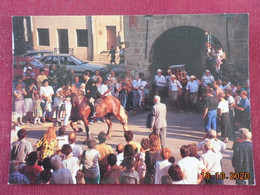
pixel 175 89
pixel 160 82
pixel 76 150
pixel 136 84
pixel 218 145
pixel 211 160
pixel 207 78
pixel 46 93
pixel 190 166
pixel 192 89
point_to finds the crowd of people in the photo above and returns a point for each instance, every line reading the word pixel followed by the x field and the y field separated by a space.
pixel 36 100
pixel 225 103
pixel 56 159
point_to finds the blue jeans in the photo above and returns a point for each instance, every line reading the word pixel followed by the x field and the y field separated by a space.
pixel 211 120
pixel 93 180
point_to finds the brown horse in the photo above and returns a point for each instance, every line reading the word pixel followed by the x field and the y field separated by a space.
pixel 105 107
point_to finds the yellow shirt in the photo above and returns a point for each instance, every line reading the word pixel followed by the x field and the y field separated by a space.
pixel 40 79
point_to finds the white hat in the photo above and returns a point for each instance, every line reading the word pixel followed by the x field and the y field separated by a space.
pixel 192 77
pixel 159 70
pixel 207 71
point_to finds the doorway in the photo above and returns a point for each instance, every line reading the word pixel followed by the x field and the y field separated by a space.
pixel 111 37
pixel 63 40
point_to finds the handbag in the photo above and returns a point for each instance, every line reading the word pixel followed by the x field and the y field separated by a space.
pixel 149 120
pixel 80 177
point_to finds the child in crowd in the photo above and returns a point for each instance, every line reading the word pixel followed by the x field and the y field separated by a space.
pixel 37 109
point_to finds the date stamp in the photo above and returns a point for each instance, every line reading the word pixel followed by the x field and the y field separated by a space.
pixel 223 176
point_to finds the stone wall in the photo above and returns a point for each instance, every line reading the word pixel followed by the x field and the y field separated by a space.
pixel 234 40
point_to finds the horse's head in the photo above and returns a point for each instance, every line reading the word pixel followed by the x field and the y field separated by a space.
pixel 72 90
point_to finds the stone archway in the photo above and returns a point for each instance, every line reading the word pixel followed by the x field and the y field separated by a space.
pixel 181 45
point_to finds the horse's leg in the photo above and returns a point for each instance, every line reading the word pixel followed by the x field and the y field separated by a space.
pixel 109 124
pixel 86 123
pixel 73 124
pixel 122 117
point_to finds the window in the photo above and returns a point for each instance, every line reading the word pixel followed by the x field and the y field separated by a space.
pixel 43 36
pixel 66 61
pixel 82 37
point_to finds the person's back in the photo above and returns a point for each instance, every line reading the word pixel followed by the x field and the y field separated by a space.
pixel 61 176
pixel 31 172
pixel 103 150
pixel 129 177
pixel 112 175
pixel 18 178
pixel 20 149
pixel 72 164
pixel 160 112
pixel 190 167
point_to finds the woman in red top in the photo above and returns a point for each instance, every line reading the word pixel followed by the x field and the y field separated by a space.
pixel 31 170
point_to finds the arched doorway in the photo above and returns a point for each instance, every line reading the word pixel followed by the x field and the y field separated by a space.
pixel 182 45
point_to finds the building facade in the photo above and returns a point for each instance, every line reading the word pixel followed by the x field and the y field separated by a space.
pixel 86 37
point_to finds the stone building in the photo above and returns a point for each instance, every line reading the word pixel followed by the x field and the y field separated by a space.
pixel 147 37
pixel 86 37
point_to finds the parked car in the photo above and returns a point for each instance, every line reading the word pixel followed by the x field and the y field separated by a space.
pixel 20 62
pixel 36 53
pixel 73 63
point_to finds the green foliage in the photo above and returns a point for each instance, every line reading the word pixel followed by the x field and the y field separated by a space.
pixel 60 76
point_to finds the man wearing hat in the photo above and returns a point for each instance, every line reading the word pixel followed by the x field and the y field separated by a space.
pixel 207 78
pixel 160 82
pixel 192 89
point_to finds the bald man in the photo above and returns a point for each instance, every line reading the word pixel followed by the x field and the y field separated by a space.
pixel 76 150
pixel 242 159
pixel 159 123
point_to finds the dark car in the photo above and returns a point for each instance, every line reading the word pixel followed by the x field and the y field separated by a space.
pixel 20 62
pixel 73 63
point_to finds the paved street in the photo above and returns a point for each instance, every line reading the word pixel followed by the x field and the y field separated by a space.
pixel 183 128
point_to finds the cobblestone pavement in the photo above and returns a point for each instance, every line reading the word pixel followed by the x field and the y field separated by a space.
pixel 183 128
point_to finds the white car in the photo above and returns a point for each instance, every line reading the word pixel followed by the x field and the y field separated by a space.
pixel 73 63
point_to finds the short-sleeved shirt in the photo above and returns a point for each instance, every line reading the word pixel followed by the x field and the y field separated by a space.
pixel 90 160
pixel 46 91
pixel 20 149
pixel 160 79
pixel 207 79
pixel 174 85
pixel 193 87
pixel 211 103
pixel 190 166
pixel 223 106
pixel 244 103
pixel 103 150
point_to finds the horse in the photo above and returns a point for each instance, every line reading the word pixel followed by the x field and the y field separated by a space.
pixel 106 106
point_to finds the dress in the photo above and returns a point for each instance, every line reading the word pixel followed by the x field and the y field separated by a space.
pixel 47 148
pixel 37 108
pixel 19 104
pixel 150 159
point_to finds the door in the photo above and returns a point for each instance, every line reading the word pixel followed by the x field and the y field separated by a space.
pixel 63 40
pixel 111 37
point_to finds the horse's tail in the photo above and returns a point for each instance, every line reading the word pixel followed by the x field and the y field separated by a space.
pixel 123 114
